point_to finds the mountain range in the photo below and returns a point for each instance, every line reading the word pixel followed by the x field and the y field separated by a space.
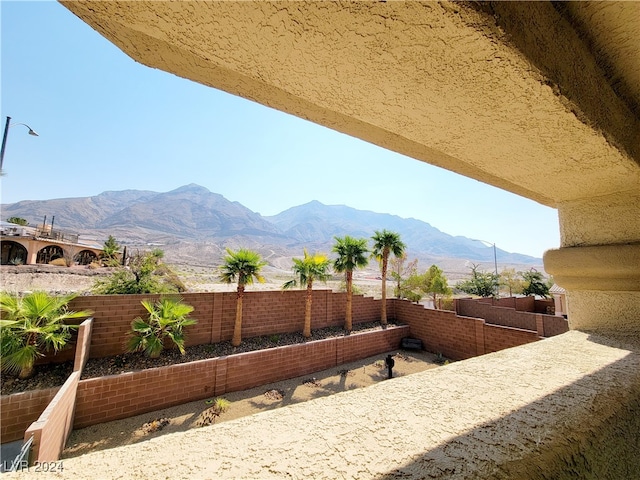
pixel 194 225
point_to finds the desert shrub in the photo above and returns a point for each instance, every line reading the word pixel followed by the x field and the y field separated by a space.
pixel 355 289
pixel 145 274
pixel 31 325
pixel 217 408
pixel 447 303
pixel 58 262
pixel 166 319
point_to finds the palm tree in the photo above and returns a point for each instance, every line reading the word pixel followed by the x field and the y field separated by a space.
pixel 166 319
pixel 31 325
pixel 242 267
pixel 351 255
pixel 308 269
pixel 384 244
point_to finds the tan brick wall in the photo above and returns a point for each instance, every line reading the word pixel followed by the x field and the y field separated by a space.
pixel 554 325
pixel 264 313
pixel 497 337
pixel 455 336
pixel 53 427
pixel 513 312
pixel 20 410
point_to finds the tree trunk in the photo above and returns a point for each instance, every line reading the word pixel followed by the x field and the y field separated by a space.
pixel 306 332
pixel 435 303
pixel 26 372
pixel 347 321
pixel 237 326
pixel 383 310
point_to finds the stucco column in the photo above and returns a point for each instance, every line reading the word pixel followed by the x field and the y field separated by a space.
pixel 32 253
pixel 599 263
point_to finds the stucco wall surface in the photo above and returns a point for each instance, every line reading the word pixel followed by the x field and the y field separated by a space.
pixel 565 407
pixel 436 81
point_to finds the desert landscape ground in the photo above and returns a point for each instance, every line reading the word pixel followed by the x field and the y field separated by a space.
pixel 80 279
pixel 362 373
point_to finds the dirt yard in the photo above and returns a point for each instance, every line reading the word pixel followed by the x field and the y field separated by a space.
pixel 267 397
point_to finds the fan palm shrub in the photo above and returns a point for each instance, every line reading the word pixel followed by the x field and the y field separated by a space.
pixel 166 319
pixel 386 243
pixel 352 254
pixel 32 325
pixel 242 267
pixel 307 270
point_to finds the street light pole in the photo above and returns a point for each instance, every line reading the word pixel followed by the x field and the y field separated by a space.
pixel 495 262
pixel 6 133
pixel 4 141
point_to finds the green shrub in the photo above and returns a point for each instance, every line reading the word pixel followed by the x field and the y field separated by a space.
pixel 32 325
pixel 166 319
pixel 218 407
pixel 145 274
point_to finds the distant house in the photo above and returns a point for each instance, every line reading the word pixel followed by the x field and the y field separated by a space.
pixel 28 245
pixel 560 300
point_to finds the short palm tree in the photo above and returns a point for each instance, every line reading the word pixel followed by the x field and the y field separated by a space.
pixel 352 254
pixel 307 270
pixel 386 243
pixel 166 319
pixel 242 267
pixel 32 325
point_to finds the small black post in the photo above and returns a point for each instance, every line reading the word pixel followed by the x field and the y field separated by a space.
pixel 390 362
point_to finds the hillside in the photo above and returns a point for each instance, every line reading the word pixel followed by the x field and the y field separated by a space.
pixel 194 226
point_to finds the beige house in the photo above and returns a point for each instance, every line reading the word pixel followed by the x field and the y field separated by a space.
pixel 541 99
pixel 28 245
pixel 559 299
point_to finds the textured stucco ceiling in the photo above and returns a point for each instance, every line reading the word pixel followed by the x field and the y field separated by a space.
pixel 613 31
pixel 532 97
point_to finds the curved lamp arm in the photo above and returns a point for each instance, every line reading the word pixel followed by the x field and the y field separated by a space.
pixel 6 132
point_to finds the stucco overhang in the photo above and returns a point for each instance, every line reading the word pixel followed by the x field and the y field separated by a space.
pixel 537 98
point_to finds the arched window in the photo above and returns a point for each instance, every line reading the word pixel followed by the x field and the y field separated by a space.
pixel 85 257
pixel 13 254
pixel 47 254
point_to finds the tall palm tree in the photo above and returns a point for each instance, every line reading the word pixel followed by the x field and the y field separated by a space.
pixel 352 254
pixel 31 325
pixel 242 267
pixel 384 244
pixel 308 269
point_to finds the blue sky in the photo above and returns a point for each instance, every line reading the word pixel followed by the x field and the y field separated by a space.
pixel 108 123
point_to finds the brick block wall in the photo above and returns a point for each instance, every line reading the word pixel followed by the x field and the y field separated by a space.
pixel 497 337
pixel 459 337
pixel 120 396
pixel 526 304
pixel 505 316
pixel 264 313
pixel 554 325
pixel 113 315
pixel 53 427
pixel 82 345
pixel 20 410
pixel 440 331
pixel 355 347
pixel 545 306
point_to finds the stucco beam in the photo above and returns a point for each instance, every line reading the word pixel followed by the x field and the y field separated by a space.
pixel 439 82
